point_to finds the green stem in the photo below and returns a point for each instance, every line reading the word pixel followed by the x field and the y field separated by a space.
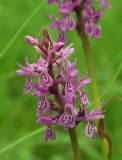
pixel 91 71
pixel 106 142
pixel 75 145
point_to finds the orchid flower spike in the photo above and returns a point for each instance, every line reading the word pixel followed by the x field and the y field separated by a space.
pixel 43 80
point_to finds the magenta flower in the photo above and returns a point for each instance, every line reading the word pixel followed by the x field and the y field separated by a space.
pixel 84 99
pixel 49 134
pixel 67 119
pixel 69 78
pixel 72 86
pixel 28 71
pixel 57 92
pixel 66 8
pixel 45 80
pixel 66 24
pixel 105 4
pixel 88 116
pixel 43 106
pixel 91 15
pixel 28 85
pixel 90 130
pixel 47 120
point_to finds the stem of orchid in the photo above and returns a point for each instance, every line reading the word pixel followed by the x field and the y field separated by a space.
pixel 91 71
pixel 106 142
pixel 75 145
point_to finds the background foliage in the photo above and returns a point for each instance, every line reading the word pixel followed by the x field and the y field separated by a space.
pixel 18 111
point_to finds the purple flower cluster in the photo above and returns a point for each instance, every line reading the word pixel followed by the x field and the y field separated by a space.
pixel 90 16
pixel 54 80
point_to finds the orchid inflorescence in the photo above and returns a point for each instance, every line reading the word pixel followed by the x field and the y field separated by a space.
pixel 54 81
pixel 91 15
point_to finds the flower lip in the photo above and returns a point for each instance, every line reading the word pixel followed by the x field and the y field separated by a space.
pixel 49 134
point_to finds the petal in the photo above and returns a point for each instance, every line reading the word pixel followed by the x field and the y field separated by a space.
pixel 65 8
pixel 83 82
pixel 39 91
pixel 61 37
pixel 71 71
pixel 58 45
pixel 49 134
pixel 90 130
pixel 44 120
pixel 84 98
pixel 43 105
pixel 69 87
pixel 91 116
pixel 60 121
pixel 77 3
pixel 67 24
pixel 22 72
pixel 45 80
pixel 62 74
pixel 105 4
pixel 28 85
pixel 89 29
pixel 67 119
pixel 56 23
pixel 67 51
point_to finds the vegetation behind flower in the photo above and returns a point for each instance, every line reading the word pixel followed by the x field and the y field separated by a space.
pixel 24 116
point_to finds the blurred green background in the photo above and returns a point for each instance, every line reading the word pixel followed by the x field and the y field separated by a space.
pixel 18 111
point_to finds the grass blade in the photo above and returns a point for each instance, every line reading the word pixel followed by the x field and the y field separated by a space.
pixel 112 81
pixel 20 30
pixel 26 137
